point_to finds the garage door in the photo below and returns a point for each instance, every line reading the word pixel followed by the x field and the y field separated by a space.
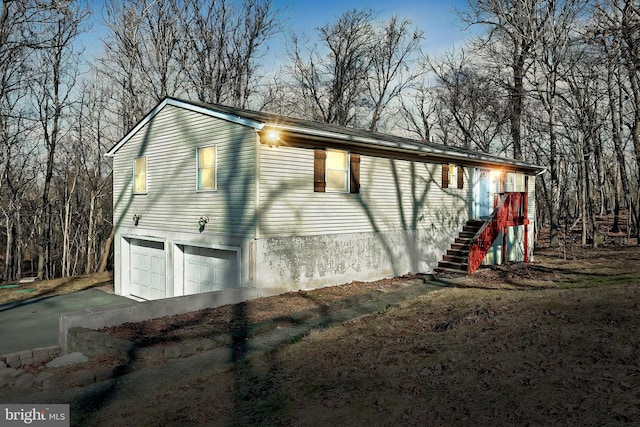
pixel 147 269
pixel 207 269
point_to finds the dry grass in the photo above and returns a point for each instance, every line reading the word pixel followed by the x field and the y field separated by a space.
pixel 553 343
pixel 54 287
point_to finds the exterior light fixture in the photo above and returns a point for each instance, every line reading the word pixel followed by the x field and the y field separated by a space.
pixel 202 222
pixel 136 219
pixel 272 137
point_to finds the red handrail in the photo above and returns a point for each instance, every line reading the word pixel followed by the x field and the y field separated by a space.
pixel 511 209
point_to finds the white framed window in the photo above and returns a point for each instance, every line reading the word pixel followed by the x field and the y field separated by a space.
pixel 337 170
pixel 515 182
pixel 452 176
pixel 206 159
pixel 140 175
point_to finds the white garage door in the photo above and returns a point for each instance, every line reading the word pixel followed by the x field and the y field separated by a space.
pixel 147 269
pixel 207 270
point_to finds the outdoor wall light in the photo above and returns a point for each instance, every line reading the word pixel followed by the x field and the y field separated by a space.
pixel 202 222
pixel 136 219
pixel 272 137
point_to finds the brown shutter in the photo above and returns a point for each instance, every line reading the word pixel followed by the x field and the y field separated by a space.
pixel 319 166
pixel 354 173
pixel 460 177
pixel 445 175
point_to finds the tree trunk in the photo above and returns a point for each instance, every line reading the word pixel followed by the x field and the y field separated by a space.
pixel 107 251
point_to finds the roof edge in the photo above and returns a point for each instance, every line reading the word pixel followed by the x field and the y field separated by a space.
pixel 422 150
pixel 187 106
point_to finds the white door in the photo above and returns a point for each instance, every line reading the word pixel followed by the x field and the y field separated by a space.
pixel 207 270
pixel 147 272
pixel 483 195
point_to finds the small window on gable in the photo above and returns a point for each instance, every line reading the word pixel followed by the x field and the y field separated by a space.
pixel 452 176
pixel 140 175
pixel 336 171
pixel 206 159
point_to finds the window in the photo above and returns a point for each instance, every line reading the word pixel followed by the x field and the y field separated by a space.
pixel 336 171
pixel 206 157
pixel 452 176
pixel 515 182
pixel 140 175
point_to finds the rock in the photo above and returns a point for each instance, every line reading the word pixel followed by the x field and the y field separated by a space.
pixel 68 359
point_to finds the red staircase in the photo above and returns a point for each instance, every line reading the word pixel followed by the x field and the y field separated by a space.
pixel 477 236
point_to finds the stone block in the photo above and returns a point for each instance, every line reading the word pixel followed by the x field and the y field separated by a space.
pixel 140 353
pixel 84 378
pixel 104 374
pixel 188 349
pixel 42 358
pixel 156 353
pixel 41 378
pixel 11 357
pixel 28 361
pixel 15 363
pixel 42 351
pixel 24 381
pixel 206 344
pixel 55 350
pixel 25 354
pixel 9 373
pixel 172 352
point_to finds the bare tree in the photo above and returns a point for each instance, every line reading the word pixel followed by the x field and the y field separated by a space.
pixel 223 41
pixel 469 96
pixel 330 82
pixel 393 66
pixel 513 30
pixel 52 96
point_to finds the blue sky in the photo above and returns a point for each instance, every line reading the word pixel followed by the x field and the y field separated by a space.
pixel 436 18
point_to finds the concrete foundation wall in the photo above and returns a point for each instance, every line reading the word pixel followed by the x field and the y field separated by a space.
pixel 306 262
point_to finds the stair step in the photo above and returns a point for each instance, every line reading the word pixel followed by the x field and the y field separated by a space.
pixel 457 257
pixel 462 252
pixel 476 222
pixel 457 246
pixel 462 240
pixel 470 229
pixel 442 270
pixel 462 266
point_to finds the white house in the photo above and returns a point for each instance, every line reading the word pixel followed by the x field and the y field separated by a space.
pixel 209 198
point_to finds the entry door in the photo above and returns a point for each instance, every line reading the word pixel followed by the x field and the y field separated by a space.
pixel 483 196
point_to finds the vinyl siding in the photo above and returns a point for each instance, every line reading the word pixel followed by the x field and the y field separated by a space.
pixel 172 203
pixel 386 202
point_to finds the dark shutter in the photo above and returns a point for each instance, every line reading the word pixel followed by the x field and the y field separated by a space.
pixel 460 177
pixel 319 166
pixel 354 173
pixel 445 175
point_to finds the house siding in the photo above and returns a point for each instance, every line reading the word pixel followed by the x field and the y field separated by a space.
pixel 400 222
pixel 172 203
pixel 394 195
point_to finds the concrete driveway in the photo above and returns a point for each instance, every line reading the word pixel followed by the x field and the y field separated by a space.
pixel 33 323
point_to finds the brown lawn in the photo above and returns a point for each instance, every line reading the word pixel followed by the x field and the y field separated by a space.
pixel 555 342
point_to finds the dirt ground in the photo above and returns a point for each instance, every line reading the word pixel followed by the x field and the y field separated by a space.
pixel 205 323
pixel 552 342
